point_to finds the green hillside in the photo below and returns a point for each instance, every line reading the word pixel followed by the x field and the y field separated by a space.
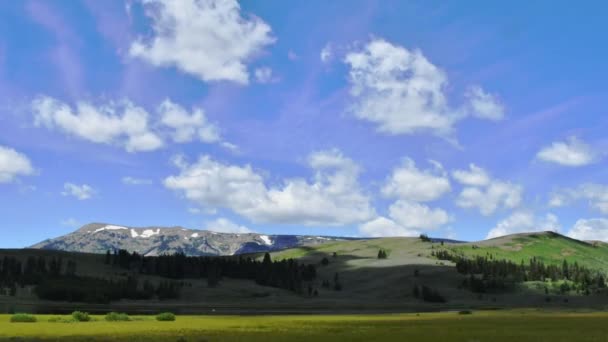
pixel 366 281
pixel 549 247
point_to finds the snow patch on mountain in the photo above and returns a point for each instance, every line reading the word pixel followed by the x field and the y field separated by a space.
pixel 149 232
pixel 110 227
pixel 266 239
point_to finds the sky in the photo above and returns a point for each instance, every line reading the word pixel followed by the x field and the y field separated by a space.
pixel 464 120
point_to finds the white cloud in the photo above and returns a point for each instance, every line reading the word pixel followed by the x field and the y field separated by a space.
pixel 209 39
pixel 595 229
pixel 484 105
pixel 13 164
pixel 135 181
pixel 81 192
pixel 222 225
pixel 484 193
pixel 382 226
pixel 187 127
pixel 595 194
pixel 334 196
pixel 572 152
pixel 415 216
pixel 265 75
pixel 524 222
pixel 71 222
pixel 410 183
pixel 475 176
pixel 122 124
pixel 326 53
pixel 402 92
pixel 127 125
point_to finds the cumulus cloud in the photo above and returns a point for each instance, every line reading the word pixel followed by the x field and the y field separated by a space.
pixel 484 105
pixel 413 215
pixel 382 226
pixel 409 182
pixel 524 222
pixel 402 92
pixel 185 126
pixel 13 164
pixel 127 125
pixel 122 124
pixel 475 176
pixel 572 152
pixel 136 181
pixel 595 194
pixel 265 75
pixel 595 229
pixel 332 197
pixel 209 39
pixel 222 225
pixel 484 193
pixel 410 185
pixel 80 192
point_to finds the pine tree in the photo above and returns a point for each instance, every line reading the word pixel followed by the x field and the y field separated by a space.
pixel 337 284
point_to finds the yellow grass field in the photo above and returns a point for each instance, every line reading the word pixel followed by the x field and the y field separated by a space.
pixel 491 326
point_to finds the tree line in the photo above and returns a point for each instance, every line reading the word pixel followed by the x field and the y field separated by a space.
pixel 486 273
pixel 285 274
pixel 56 279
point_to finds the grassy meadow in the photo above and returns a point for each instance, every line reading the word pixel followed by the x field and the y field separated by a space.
pixel 495 326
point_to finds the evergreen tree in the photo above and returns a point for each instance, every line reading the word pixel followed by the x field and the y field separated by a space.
pixel 108 259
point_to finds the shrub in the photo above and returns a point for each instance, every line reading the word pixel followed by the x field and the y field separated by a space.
pixel 465 312
pixel 117 317
pixel 23 318
pixel 165 317
pixel 80 316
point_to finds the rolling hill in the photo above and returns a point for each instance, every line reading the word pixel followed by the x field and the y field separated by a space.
pixel 367 282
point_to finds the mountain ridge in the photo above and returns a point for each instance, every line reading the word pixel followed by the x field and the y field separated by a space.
pixel 156 240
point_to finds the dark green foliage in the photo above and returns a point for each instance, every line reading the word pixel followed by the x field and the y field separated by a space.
pixel 117 317
pixel 337 283
pixel 382 254
pixel 425 238
pixel 90 290
pixel 165 317
pixel 80 316
pixel 23 318
pixel 324 261
pixel 487 274
pixel 465 312
pixel 53 281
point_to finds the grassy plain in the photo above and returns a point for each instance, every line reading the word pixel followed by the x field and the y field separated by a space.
pixel 495 326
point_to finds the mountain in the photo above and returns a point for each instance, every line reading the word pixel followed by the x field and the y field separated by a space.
pixel 100 237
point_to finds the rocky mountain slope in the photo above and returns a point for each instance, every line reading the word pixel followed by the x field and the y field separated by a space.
pixel 100 237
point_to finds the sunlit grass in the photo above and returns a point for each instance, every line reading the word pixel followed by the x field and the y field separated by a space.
pixel 449 326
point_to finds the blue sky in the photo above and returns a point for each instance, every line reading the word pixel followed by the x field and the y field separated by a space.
pixel 362 118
